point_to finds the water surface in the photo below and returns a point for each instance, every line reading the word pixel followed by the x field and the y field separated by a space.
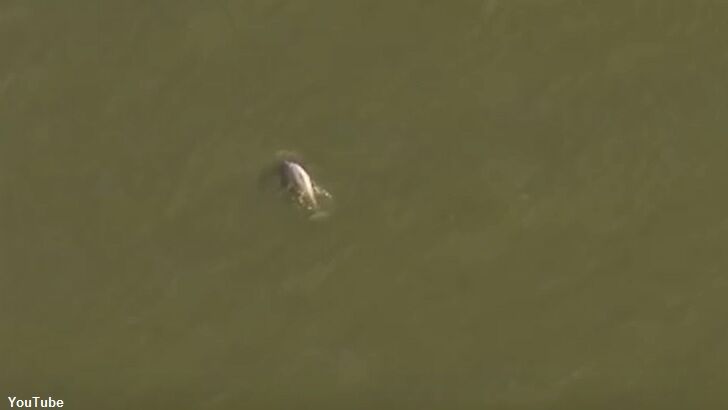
pixel 530 204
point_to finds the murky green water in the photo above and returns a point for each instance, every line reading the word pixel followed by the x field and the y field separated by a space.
pixel 530 204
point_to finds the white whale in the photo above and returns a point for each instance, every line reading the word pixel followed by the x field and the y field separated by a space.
pixel 307 193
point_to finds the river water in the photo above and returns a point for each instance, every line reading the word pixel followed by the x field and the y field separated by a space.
pixel 529 204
